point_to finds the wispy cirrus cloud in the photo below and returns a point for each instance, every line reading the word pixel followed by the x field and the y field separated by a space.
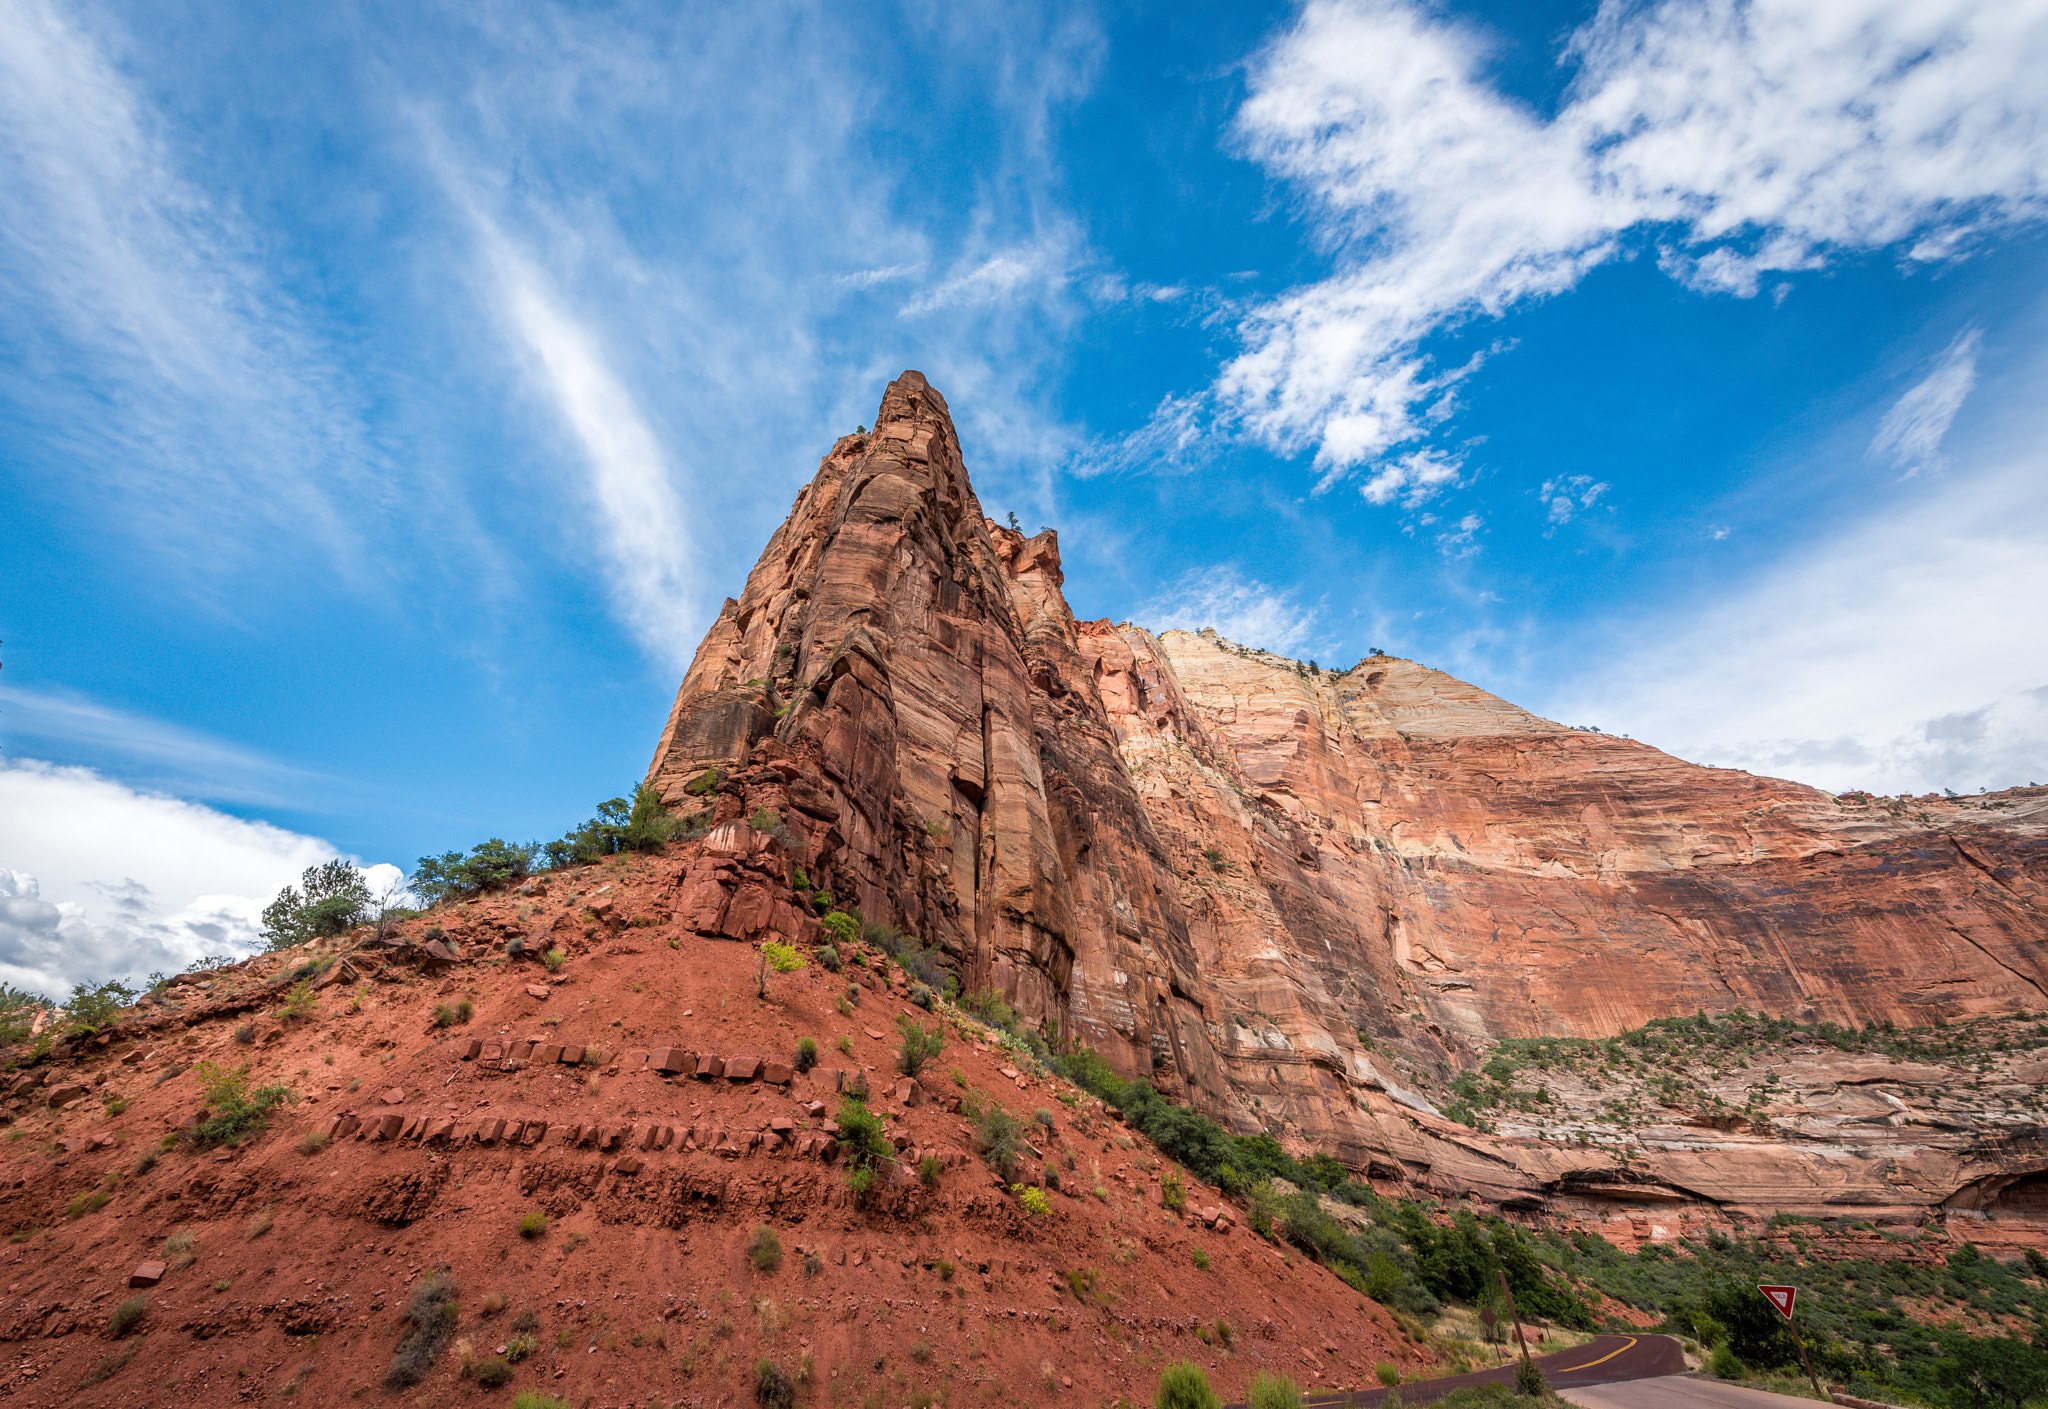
pixel 1242 609
pixel 992 279
pixel 1911 433
pixel 1738 141
pixel 649 550
pixel 63 723
pixel 1885 655
pixel 164 354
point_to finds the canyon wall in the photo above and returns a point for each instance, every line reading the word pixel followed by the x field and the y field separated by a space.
pixel 1304 900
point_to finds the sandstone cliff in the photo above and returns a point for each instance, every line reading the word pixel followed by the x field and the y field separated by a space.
pixel 1305 900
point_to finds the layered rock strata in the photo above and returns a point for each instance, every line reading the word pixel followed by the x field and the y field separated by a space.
pixel 1303 900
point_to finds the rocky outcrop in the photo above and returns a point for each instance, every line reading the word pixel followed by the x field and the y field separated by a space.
pixel 1303 900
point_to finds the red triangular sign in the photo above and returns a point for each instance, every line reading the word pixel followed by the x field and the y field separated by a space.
pixel 1780 1297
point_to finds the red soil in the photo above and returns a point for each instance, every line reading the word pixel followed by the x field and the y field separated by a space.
pixel 302 1263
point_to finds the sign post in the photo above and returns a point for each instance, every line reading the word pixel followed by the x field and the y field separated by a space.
pixel 1514 1313
pixel 1782 1298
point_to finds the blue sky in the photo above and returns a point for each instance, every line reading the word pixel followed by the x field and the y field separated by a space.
pixel 390 394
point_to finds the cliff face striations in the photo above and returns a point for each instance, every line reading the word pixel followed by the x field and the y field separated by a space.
pixel 1305 900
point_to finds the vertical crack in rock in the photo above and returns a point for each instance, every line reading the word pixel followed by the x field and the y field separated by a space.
pixel 1173 841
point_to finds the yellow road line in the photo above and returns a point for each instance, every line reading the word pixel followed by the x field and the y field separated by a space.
pixel 1632 1341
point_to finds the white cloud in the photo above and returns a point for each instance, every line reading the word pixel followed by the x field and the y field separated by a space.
pixel 164 357
pixel 1910 434
pixel 98 880
pixel 1905 654
pixel 1413 478
pixel 1173 438
pixel 648 548
pixel 183 760
pixel 695 243
pixel 993 279
pixel 1245 611
pixel 868 278
pixel 1459 542
pixel 1565 498
pixel 1739 139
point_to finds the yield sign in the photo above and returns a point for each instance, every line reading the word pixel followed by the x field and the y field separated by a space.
pixel 1780 1297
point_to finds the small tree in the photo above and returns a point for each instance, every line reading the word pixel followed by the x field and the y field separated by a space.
pixel 330 899
pixel 918 1046
pixel 94 1005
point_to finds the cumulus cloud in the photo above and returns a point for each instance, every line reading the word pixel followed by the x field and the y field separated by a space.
pixel 99 880
pixel 1911 433
pixel 1243 610
pixel 1568 496
pixel 1411 478
pixel 1738 140
pixel 1459 541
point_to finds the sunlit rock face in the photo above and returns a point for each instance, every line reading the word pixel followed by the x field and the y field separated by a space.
pixel 1304 900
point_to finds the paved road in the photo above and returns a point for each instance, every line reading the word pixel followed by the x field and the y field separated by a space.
pixel 1679 1392
pixel 1602 1360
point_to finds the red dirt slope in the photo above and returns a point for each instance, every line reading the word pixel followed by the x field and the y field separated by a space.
pixel 302 1257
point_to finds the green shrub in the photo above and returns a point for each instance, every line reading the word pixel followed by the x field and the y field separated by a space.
pixel 533 1225
pixel 430 1318
pixel 298 1003
pixel 782 957
pixel 238 1112
pixel 772 1386
pixel 1000 1137
pixel 828 959
pixel 538 1399
pixel 1273 1392
pixel 1201 1260
pixel 331 898
pixel 865 1142
pixel 843 927
pixel 764 1249
pixel 107 1366
pixel 493 1373
pixel 918 1046
pixel 1032 1198
pixel 448 1015
pixel 928 1171
pixel 1185 1386
pixel 519 1347
pixel 806 1053
pixel 126 1315
pixel 1529 1380
pixel 1726 1364
pixel 1387 1373
pixel 554 959
pixel 1173 1190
